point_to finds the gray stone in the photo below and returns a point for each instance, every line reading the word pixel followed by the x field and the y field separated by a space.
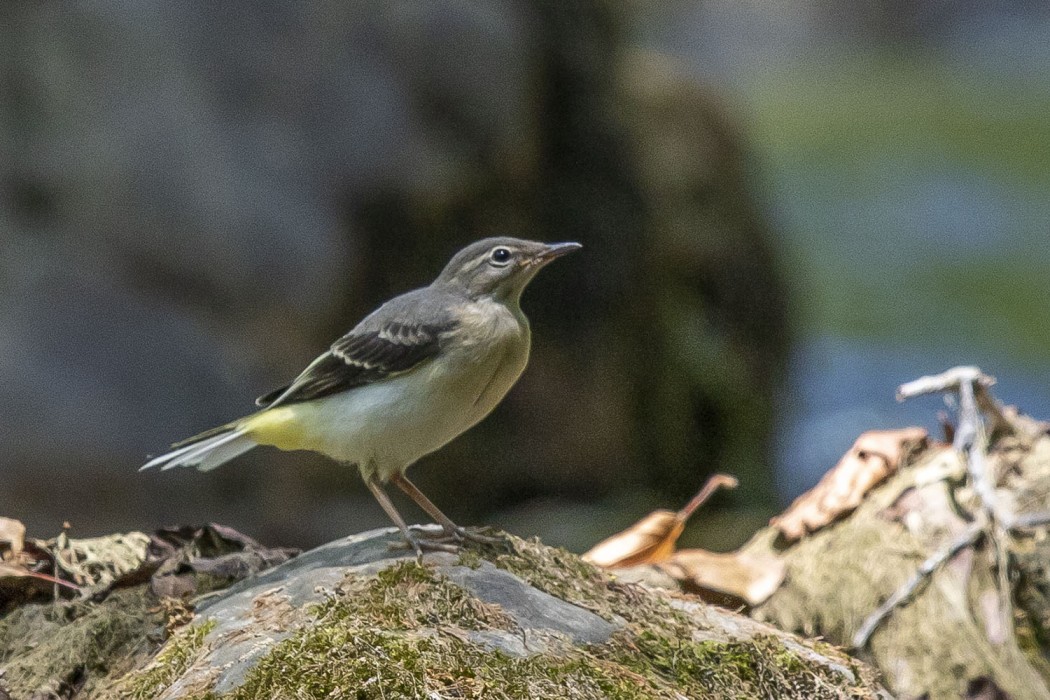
pixel 532 609
pixel 253 615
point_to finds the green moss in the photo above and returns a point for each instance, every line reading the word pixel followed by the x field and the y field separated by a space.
pixel 469 558
pixel 171 662
pixel 407 633
pixel 562 574
pixel 376 664
pixel 408 596
pixel 758 667
pixel 45 647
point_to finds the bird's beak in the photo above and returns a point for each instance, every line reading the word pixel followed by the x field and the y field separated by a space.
pixel 556 250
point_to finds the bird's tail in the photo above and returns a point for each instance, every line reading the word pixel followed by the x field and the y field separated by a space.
pixel 207 450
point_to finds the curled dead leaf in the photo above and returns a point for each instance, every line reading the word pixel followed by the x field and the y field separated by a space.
pixel 12 538
pixel 652 539
pixel 874 456
pixel 173 555
pixel 643 542
pixel 750 577
pixel 97 561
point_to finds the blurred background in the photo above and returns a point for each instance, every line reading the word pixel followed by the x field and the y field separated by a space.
pixel 787 210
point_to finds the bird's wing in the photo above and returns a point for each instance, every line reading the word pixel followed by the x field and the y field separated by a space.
pixel 362 356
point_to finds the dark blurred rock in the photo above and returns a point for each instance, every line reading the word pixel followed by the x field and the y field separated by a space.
pixel 195 199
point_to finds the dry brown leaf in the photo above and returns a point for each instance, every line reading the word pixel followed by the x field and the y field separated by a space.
pixel 750 577
pixel 97 561
pixel 12 538
pixel 643 542
pixel 652 539
pixel 874 456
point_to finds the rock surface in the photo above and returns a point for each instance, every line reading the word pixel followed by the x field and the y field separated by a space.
pixel 353 618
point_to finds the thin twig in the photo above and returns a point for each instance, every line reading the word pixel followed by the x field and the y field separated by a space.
pixel 951 380
pixel 1029 520
pixel 948 380
pixel 903 594
pixel 716 482
pixel 971 439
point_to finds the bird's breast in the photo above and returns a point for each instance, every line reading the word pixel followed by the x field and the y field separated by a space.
pixel 489 351
pixel 487 325
pixel 387 425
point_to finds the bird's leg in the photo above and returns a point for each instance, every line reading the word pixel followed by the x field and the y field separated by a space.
pixel 391 511
pixel 452 530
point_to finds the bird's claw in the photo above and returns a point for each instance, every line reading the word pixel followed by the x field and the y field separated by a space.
pixel 465 534
pixel 421 545
pixel 458 535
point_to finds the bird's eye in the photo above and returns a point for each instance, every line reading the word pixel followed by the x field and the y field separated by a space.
pixel 500 256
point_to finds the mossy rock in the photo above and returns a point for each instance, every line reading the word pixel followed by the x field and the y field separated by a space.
pixel 951 639
pixel 63 649
pixel 355 619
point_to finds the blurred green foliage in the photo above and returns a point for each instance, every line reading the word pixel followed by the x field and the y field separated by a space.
pixel 862 126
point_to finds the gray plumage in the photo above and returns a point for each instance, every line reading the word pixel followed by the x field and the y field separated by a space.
pixel 412 375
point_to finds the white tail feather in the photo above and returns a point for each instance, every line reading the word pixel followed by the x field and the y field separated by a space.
pixel 219 454
pixel 168 456
pixel 206 454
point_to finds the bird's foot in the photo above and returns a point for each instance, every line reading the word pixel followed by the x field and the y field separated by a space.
pixel 473 536
pixel 424 544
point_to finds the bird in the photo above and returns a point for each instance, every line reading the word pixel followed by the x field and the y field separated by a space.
pixel 417 372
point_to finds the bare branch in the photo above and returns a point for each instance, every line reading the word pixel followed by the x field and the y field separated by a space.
pixel 903 594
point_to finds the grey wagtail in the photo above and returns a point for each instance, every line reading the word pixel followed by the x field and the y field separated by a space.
pixel 414 374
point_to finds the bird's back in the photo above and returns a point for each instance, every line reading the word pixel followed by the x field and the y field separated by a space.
pixel 385 426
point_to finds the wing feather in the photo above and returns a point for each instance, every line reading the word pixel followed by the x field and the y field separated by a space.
pixel 361 357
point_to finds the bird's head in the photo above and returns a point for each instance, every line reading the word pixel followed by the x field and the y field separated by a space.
pixel 500 267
